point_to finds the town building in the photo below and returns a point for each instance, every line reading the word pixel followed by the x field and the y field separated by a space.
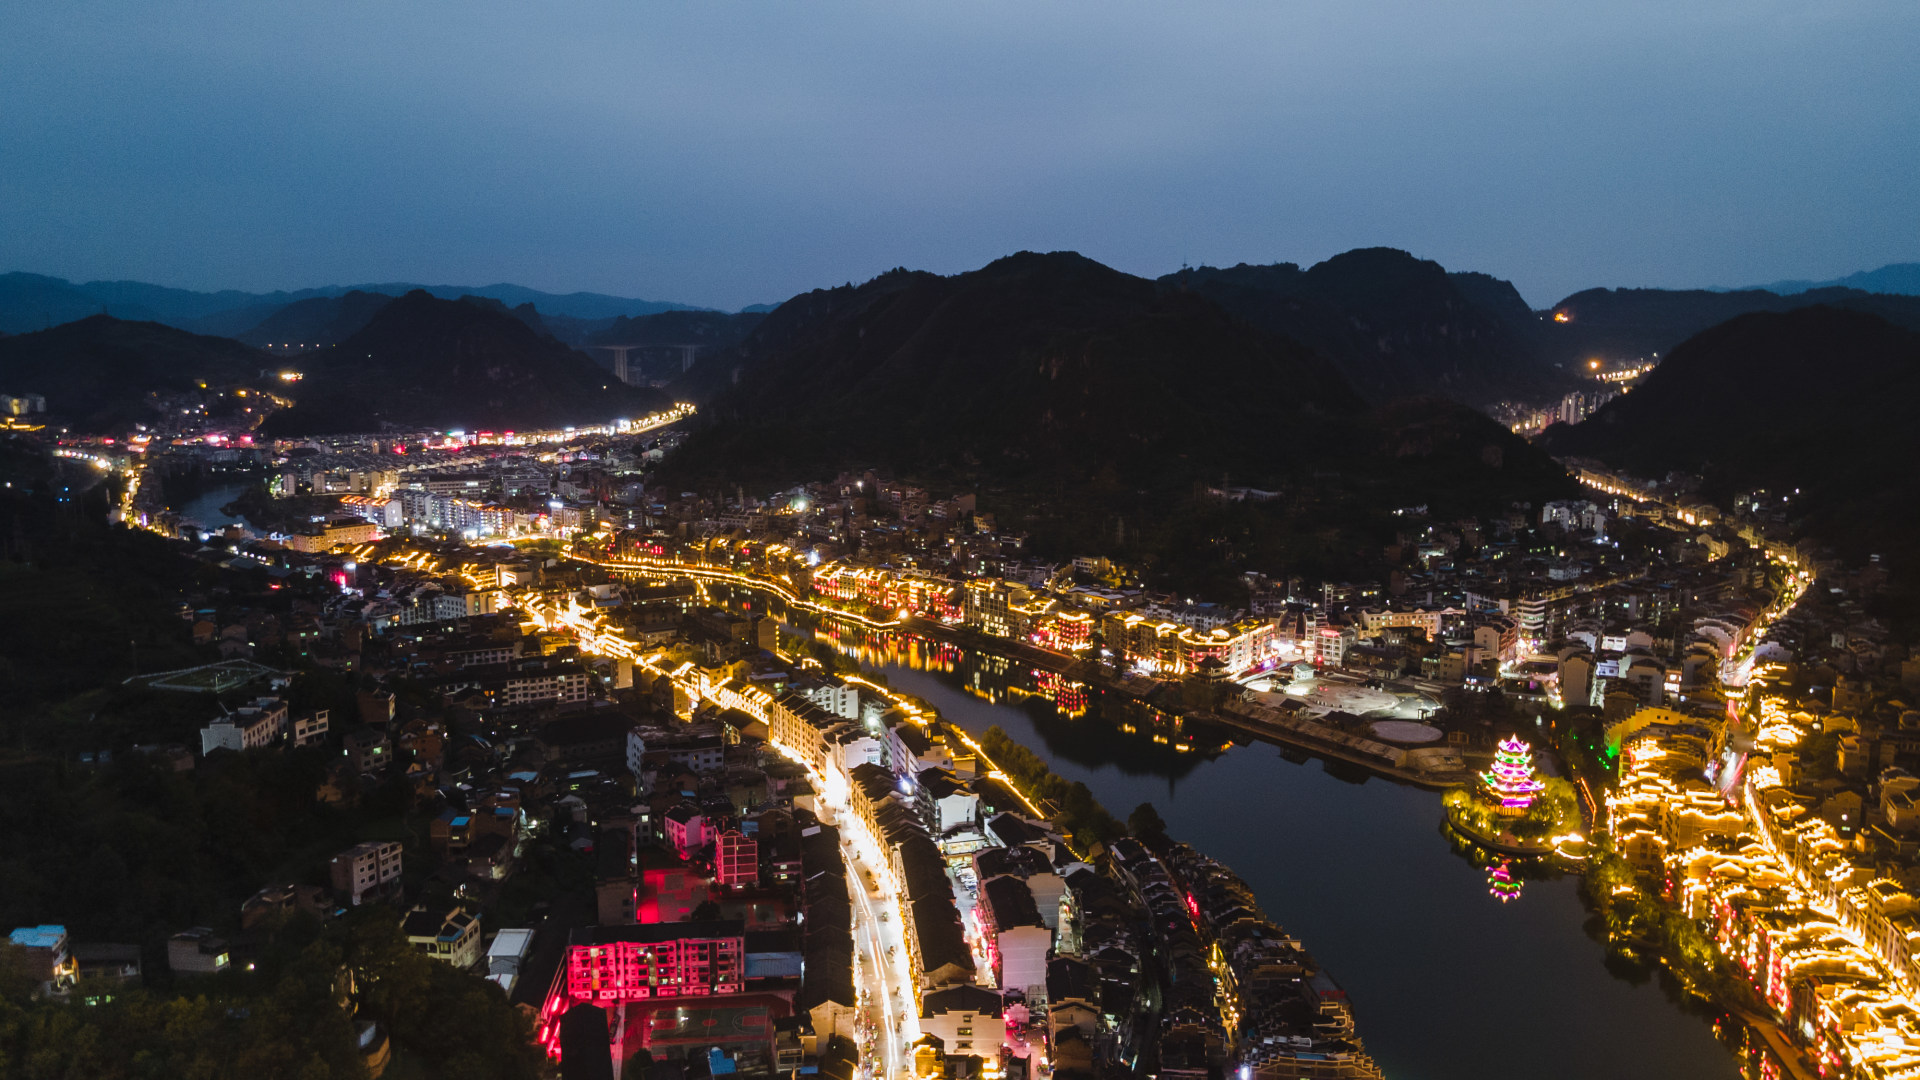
pixel 366 871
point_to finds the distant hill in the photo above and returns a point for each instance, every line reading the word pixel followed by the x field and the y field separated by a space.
pixel 1817 399
pixel 317 321
pixel 424 362
pixel 30 302
pixel 1902 278
pixel 714 329
pixel 1394 325
pixel 1625 324
pixel 1093 408
pixel 96 372
pixel 35 302
pixel 578 305
pixel 659 347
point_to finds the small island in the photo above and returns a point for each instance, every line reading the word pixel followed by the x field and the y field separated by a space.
pixel 1511 810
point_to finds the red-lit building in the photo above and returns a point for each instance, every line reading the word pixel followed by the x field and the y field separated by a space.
pixel 696 983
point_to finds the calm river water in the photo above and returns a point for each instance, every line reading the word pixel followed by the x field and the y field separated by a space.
pixel 1447 982
pixel 204 509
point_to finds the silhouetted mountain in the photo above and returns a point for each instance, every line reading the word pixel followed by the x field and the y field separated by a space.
pixel 423 362
pixel 1901 278
pixel 1627 324
pixel 1816 399
pixel 173 306
pixel 1093 408
pixel 1394 325
pixel 572 331
pixel 708 329
pixel 659 348
pixel 318 321
pixel 96 373
pixel 31 302
pixel 34 302
pixel 1496 296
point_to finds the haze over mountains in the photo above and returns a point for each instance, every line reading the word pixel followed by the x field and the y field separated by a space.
pixel 35 302
pixel 1892 278
pixel 1096 404
pixel 1393 324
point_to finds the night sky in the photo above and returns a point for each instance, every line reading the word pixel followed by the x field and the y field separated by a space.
pixel 725 154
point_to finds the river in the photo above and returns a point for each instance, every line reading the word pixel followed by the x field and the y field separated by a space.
pixel 203 509
pixel 1447 982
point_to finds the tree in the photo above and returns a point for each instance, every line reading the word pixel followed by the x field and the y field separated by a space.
pixel 1145 825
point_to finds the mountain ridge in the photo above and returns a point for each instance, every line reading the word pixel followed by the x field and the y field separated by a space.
pixel 31 301
pixel 1754 395
pixel 1893 278
pixel 422 362
pixel 1394 324
pixel 97 372
pixel 1095 410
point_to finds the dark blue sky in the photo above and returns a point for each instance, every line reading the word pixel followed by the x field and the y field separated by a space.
pixel 724 154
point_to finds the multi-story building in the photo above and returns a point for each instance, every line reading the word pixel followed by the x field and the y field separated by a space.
pixel 339 532
pixel 680 989
pixel 804 729
pixel 311 729
pixel 913 591
pixel 1433 621
pixel 528 683
pixel 737 863
pixel 366 871
pixel 609 964
pixel 256 724
pixel 47 958
pixel 1168 648
pixel 835 695
pixel 989 606
pixel 1011 920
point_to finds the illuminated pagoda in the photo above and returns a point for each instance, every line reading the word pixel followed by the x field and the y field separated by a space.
pixel 1510 784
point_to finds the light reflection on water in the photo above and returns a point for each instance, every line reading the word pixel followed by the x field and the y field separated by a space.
pixel 1447 980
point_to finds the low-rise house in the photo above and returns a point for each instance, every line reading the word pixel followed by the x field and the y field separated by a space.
pixel 282 900
pixel 452 937
pixel 103 968
pixel 506 956
pixel 198 951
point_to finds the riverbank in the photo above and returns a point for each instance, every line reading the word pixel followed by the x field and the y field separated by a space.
pixel 1361 871
pixel 1434 768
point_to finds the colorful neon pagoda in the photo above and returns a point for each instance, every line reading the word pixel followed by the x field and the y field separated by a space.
pixel 1510 784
